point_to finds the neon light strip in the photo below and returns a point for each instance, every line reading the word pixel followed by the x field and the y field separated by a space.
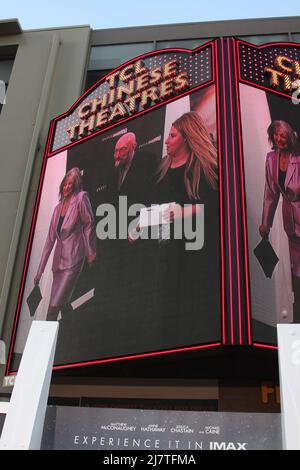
pixel 269 90
pixel 220 163
pixel 243 205
pixel 228 197
pixel 141 57
pixel 264 46
pixel 129 118
pixel 138 356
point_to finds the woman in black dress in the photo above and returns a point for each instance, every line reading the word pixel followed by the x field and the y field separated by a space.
pixel 188 176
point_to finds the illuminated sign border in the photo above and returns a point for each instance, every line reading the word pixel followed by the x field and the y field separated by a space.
pixel 48 154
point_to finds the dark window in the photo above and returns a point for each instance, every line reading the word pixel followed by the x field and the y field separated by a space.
pixel 265 39
pixel 93 76
pixel 7 55
pixel 103 59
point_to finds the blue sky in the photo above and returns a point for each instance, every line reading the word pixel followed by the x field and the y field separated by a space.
pixel 34 14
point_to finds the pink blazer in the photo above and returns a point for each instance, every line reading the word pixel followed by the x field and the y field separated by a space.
pixel 291 199
pixel 77 236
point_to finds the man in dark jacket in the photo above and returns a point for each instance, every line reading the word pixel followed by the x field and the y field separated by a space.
pixel 124 269
pixel 135 170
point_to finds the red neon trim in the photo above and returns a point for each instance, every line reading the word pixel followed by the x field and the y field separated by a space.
pixel 228 198
pixel 137 356
pixel 265 346
pixel 218 106
pixel 33 224
pixel 243 205
pixel 235 202
pixel 263 46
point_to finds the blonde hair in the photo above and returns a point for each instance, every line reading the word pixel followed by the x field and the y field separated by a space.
pixel 76 175
pixel 202 155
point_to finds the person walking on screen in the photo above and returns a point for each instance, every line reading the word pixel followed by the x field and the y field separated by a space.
pixel 283 178
pixel 72 228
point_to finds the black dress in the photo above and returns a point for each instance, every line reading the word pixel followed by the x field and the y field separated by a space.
pixel 190 278
pixel 281 179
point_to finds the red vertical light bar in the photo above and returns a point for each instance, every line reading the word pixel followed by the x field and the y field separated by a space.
pixel 235 200
pixel 228 200
pixel 243 207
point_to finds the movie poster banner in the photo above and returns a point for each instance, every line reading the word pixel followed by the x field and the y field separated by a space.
pixel 125 244
pixel 69 428
pixel 270 118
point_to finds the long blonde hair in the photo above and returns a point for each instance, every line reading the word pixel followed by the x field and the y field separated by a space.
pixel 202 155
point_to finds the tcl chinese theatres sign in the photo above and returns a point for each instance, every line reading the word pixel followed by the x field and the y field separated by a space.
pixel 132 89
pixel 136 87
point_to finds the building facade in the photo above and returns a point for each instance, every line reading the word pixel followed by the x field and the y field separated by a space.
pixel 43 73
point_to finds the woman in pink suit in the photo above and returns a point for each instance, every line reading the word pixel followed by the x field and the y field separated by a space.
pixel 72 227
pixel 283 178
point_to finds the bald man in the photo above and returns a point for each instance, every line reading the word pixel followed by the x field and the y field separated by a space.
pixel 123 155
pixel 122 263
pixel 136 170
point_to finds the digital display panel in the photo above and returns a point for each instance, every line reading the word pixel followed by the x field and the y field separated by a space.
pixel 268 93
pixel 125 244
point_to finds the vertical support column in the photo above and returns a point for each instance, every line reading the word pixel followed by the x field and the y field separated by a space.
pixel 24 422
pixel 289 366
pixel 237 323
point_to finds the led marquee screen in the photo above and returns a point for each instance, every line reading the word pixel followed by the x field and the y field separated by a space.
pixel 167 214
pixel 125 245
pixel 268 92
